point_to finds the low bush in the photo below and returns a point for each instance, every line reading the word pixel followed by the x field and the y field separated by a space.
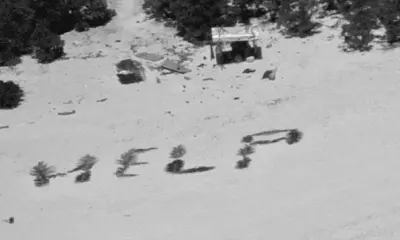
pixel 175 166
pixel 11 95
pixel 83 177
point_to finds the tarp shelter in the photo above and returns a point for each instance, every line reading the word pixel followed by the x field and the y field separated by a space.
pixel 234 40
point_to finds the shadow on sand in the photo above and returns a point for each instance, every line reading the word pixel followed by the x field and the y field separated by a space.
pixel 196 170
pixel 127 175
pixel 265 142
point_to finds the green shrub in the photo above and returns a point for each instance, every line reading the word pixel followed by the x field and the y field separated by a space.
pixel 11 95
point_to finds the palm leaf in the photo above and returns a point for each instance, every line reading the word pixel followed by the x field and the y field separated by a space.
pixel 178 152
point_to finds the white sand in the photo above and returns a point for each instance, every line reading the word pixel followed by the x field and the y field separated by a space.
pixel 340 182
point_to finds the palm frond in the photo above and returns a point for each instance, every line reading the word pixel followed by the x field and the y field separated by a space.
pixel 178 152
pixel 247 139
pixel 86 162
pixel 246 150
pixel 42 170
pixel 128 158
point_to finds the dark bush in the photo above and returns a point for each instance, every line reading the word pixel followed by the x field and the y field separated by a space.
pixel 81 26
pixel 247 139
pixel 130 71
pixel 295 17
pixel 294 136
pixel 96 13
pixel 83 177
pixel 244 163
pixel 362 17
pixel 389 16
pixel 174 166
pixel 11 95
pixel 192 18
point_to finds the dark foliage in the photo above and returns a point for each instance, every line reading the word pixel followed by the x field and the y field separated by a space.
pixel 126 160
pixel 294 136
pixel 244 163
pixel 42 173
pixel 247 139
pixel 11 95
pixel 34 26
pixel 83 177
pixel 178 152
pixel 246 150
pixel 174 166
pixel 193 19
pixel 295 16
pixel 389 16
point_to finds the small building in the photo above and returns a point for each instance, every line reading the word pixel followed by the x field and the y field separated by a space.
pixel 235 44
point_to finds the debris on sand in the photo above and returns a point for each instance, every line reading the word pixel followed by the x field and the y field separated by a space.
pixel 63 113
pixel 130 71
pixel 174 66
pixel 248 70
pixel 270 74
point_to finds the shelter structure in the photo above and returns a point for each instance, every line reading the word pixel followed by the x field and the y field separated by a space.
pixel 235 43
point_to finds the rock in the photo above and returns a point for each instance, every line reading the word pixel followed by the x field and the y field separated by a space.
pixel 250 59
pixel 4 126
pixel 187 78
pixel 270 74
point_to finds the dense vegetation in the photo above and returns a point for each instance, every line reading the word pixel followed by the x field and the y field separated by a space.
pixel 34 26
pixel 11 95
pixel 193 18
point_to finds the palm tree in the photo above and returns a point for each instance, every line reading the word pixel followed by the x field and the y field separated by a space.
pixel 42 172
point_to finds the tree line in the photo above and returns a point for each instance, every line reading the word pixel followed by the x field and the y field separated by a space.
pixel 194 18
pixel 34 26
